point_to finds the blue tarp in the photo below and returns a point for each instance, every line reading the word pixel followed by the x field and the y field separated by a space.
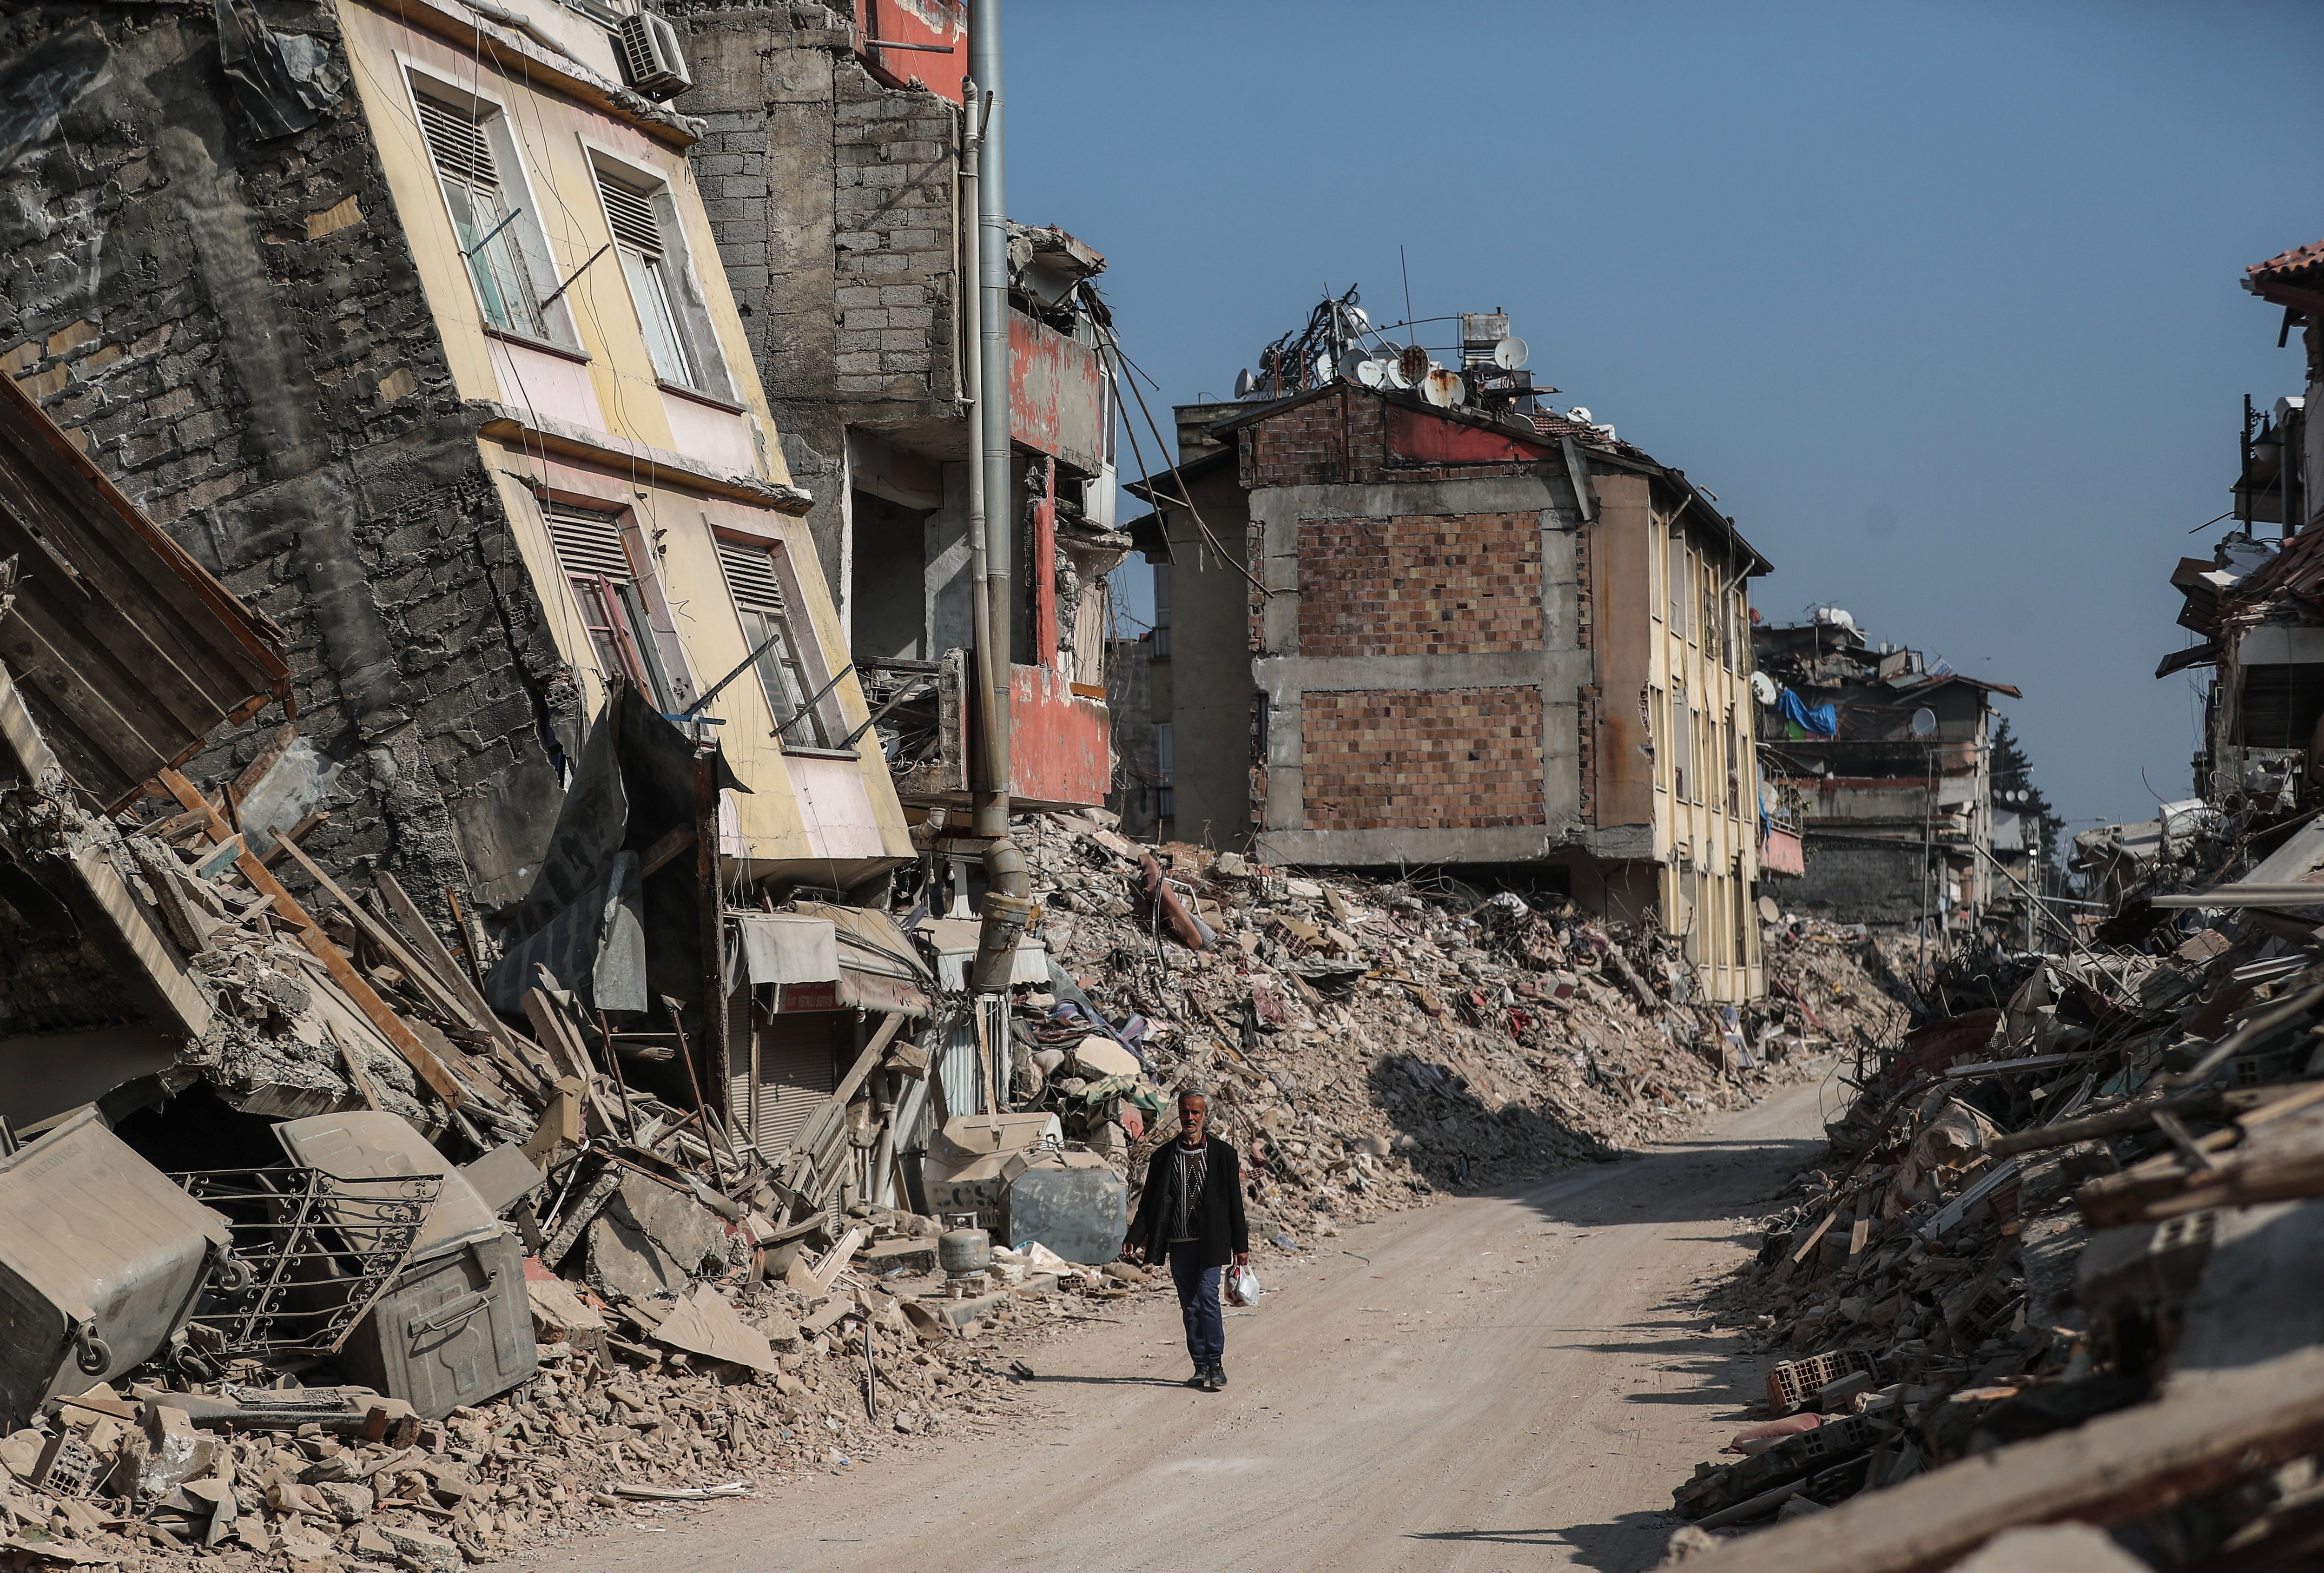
pixel 1815 720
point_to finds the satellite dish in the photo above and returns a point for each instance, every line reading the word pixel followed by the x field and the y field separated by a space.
pixel 1769 912
pixel 1391 368
pixel 1763 688
pixel 1444 389
pixel 1356 316
pixel 1323 368
pixel 1352 363
pixel 1375 373
pixel 1510 353
pixel 1414 362
pixel 1579 412
pixel 1924 722
pixel 1245 383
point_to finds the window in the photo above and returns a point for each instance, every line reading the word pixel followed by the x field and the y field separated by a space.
pixel 792 692
pixel 1675 579
pixel 1161 611
pixel 1658 735
pixel 1682 750
pixel 501 243
pixel 1166 796
pixel 605 588
pixel 645 226
pixel 1734 773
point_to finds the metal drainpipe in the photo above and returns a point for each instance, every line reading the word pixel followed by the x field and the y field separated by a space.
pixel 1008 900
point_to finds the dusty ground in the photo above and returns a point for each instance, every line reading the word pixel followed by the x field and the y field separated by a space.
pixel 1499 1382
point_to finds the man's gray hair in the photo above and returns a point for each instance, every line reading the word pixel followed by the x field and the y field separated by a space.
pixel 1186 1092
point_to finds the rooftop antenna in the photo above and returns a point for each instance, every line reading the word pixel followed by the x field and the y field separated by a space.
pixel 1406 272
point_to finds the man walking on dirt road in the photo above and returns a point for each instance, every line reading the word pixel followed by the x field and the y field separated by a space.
pixel 1191 1215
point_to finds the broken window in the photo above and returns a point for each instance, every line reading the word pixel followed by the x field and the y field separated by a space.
pixel 647 239
pixel 1166 796
pixel 500 241
pixel 800 703
pixel 1161 611
pixel 605 588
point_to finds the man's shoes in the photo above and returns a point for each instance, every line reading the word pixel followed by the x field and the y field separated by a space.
pixel 1218 1377
pixel 1200 1380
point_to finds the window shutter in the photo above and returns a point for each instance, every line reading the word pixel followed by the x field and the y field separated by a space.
pixel 751 574
pixel 632 215
pixel 456 141
pixel 588 541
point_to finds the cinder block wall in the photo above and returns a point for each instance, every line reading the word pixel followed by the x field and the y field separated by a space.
pixel 234 331
pixel 832 200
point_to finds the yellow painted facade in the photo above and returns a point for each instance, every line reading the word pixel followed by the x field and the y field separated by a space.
pixel 582 419
pixel 1706 770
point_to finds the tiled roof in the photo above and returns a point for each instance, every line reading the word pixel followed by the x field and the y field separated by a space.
pixel 2297 260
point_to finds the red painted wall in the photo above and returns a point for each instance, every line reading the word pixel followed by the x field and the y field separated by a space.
pixel 1056 395
pixel 930 22
pixel 1060 746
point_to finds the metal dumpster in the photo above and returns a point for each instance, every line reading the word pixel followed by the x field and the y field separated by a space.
pixel 456 1326
pixel 101 1259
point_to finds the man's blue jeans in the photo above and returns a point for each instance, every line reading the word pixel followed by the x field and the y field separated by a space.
pixel 1198 1302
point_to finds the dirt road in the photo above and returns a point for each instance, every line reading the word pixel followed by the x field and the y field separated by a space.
pixel 1507 1381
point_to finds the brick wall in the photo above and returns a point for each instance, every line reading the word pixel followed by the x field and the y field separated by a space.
pixel 236 332
pixel 1463 584
pixel 1451 759
pixel 1341 438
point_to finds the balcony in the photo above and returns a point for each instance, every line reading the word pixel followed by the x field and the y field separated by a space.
pixel 1060 740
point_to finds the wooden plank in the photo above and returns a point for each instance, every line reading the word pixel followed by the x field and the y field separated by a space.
pixel 449 973
pixel 558 1034
pixel 416 1054
pixel 422 977
pixel 298 832
pixel 355 1072
pixel 2206 1431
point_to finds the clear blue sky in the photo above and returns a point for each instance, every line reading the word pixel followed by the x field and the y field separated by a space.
pixel 1942 300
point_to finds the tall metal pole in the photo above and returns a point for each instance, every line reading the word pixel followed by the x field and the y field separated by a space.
pixel 1008 900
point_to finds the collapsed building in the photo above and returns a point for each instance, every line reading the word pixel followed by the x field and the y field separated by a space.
pixel 1881 785
pixel 1414 616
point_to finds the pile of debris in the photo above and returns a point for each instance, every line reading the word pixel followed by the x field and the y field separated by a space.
pixel 2061 1265
pixel 1367 1043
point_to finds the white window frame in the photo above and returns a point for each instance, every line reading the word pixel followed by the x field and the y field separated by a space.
pixel 687 310
pixel 491 117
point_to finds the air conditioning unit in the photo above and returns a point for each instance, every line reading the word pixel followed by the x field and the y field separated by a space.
pixel 651 59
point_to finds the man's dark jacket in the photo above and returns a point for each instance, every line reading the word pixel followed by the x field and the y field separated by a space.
pixel 1218 1227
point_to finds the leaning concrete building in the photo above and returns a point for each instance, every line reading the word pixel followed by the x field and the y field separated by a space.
pixel 407 320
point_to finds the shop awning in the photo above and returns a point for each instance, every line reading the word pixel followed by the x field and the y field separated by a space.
pixel 823 958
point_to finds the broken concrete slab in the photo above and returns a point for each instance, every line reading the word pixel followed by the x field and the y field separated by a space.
pixel 704 1324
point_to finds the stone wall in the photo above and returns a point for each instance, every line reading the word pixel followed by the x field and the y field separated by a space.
pixel 234 331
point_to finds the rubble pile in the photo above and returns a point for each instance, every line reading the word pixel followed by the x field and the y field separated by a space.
pixel 2060 1263
pixel 1367 1041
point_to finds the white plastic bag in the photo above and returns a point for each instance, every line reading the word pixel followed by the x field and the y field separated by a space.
pixel 1242 1286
